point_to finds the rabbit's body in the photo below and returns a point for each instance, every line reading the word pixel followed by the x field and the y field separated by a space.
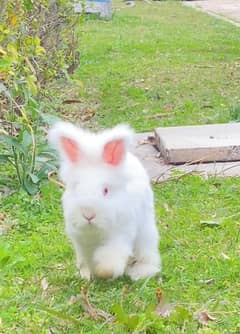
pixel 108 204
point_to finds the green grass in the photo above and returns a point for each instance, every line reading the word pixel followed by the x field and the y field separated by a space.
pixel 159 58
pixel 192 255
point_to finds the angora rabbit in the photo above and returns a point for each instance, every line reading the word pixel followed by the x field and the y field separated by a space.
pixel 107 202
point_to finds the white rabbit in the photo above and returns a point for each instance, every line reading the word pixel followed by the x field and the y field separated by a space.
pixel 108 202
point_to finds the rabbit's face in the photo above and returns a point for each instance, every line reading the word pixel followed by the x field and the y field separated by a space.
pixel 94 171
pixel 97 194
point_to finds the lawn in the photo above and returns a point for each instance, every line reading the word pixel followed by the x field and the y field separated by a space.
pixel 160 58
pixel 150 59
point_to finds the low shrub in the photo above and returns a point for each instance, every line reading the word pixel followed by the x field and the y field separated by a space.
pixel 37 46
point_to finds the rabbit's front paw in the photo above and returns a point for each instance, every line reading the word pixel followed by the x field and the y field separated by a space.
pixel 84 271
pixel 142 270
pixel 108 264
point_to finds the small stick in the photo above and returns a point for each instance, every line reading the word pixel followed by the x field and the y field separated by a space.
pixel 51 179
pixel 71 101
pixel 154 116
pixel 156 181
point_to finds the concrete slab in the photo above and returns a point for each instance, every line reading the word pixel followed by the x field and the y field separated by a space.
pixel 202 143
pixel 160 171
pixel 102 7
pixel 228 10
pixel 147 152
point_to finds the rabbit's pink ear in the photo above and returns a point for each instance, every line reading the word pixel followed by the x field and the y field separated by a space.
pixel 70 148
pixel 114 151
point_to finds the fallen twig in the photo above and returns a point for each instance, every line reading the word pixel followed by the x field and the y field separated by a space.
pixel 226 169
pixel 177 177
pixel 94 312
pixel 51 179
pixel 148 140
pixel 155 116
pixel 204 66
pixel 224 312
pixel 203 317
pixel 71 101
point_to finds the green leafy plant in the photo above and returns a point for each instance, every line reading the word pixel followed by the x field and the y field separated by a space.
pixel 31 161
pixel 235 113
pixel 23 147
pixel 37 45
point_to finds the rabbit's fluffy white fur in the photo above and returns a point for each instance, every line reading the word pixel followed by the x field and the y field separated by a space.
pixel 108 202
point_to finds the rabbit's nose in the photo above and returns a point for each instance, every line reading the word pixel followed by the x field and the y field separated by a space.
pixel 89 216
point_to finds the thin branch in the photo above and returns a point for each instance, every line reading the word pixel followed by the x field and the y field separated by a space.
pixel 187 164
pixel 24 115
pixel 156 116
pixel 54 181
pixel 227 168
pixel 178 177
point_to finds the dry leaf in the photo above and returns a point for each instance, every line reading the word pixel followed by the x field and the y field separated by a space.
pixel 139 80
pixel 203 317
pixel 143 142
pixel 225 256
pixel 6 223
pixel 3 215
pixel 163 308
pixel 212 223
pixel 168 107
pixel 159 294
pixel 166 207
pixel 44 284
pixel 88 113
pixel 149 140
pixel 91 310
pixel 19 280
pixel 60 266
pixel 49 331
pixel 207 281
pixel 72 299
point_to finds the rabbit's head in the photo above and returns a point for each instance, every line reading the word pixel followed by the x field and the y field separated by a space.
pixel 94 169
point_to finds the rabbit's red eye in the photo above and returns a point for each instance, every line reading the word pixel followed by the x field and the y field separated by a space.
pixel 105 191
